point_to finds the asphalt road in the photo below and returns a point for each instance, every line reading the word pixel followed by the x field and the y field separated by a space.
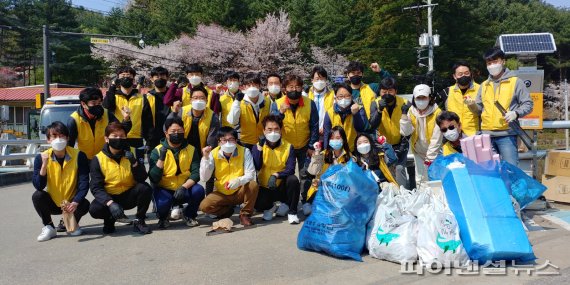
pixel 262 255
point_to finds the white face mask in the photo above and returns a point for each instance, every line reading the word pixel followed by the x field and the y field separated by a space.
pixel 319 85
pixel 451 135
pixel 421 104
pixel 198 105
pixel 252 92
pixel 228 147
pixel 58 144
pixel 274 89
pixel 233 86
pixel 363 148
pixel 495 69
pixel 195 80
pixel 343 103
pixel 273 136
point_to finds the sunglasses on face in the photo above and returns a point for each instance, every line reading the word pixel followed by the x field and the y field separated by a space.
pixel 451 128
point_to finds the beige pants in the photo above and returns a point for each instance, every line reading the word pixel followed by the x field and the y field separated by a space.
pixel 219 204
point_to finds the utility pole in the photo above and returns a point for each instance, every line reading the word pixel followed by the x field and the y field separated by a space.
pixel 430 35
pixel 428 39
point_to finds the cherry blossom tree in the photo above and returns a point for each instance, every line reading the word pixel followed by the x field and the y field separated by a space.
pixel 326 57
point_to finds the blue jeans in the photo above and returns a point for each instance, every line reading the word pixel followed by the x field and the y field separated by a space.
pixel 164 199
pixel 507 148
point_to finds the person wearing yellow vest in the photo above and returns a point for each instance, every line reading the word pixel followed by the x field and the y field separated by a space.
pixel 159 77
pixel 450 125
pixel 87 124
pixel 362 93
pixel 503 87
pixel 180 97
pixel 385 115
pixel 461 98
pixel 128 99
pixel 274 91
pixel 64 171
pixel 248 113
pixel 321 94
pixel 419 122
pixel 118 183
pixel 234 173
pixel 347 114
pixel 376 156
pixel 231 79
pixel 174 170
pixel 300 126
pixel 274 159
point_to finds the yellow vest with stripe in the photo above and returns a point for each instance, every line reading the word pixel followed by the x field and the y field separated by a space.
pixel 390 126
pixel 469 120
pixel 226 102
pixel 491 117
pixel 136 105
pixel 296 127
pixel 274 160
pixel 227 170
pixel 448 149
pixel 203 124
pixel 118 177
pixel 367 96
pixel 348 126
pixel 170 180
pixel 88 141
pixel 152 102
pixel 252 128
pixel 187 97
pixel 430 125
pixel 62 180
pixel 329 98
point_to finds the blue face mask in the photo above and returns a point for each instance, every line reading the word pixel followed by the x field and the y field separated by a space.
pixel 335 144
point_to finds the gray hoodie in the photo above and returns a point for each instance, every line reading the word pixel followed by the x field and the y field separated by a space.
pixel 521 103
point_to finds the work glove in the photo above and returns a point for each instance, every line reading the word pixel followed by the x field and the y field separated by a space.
pixel 261 142
pixel 272 184
pixel 131 157
pixel 239 95
pixel 179 193
pixel 117 211
pixel 232 184
pixel 162 154
pixel 511 116
pixel 381 105
pixel 406 107
pixel 469 101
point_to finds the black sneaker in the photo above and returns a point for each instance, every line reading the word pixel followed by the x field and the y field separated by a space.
pixel 163 224
pixel 108 226
pixel 139 226
pixel 61 227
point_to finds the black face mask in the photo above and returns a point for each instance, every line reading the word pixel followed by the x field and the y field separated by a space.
pixel 464 80
pixel 389 98
pixel 121 144
pixel 127 82
pixel 176 138
pixel 356 79
pixel 96 111
pixel 160 83
pixel 294 95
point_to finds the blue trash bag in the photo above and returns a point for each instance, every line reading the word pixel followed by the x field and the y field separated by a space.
pixel 343 205
pixel 521 186
pixel 438 167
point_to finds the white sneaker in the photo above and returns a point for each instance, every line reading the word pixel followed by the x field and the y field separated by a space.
pixel 75 233
pixel 48 232
pixel 176 214
pixel 282 210
pixel 293 219
pixel 268 215
pixel 307 209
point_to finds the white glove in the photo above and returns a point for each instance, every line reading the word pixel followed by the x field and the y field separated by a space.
pixel 233 184
pixel 511 116
pixel 469 101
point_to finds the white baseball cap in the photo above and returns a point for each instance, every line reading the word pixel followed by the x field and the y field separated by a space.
pixel 422 90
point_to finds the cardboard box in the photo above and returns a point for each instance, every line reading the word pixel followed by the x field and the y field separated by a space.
pixel 558 188
pixel 557 163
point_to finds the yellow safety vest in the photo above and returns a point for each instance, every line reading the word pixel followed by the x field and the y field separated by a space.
pixel 367 96
pixel 274 160
pixel 88 141
pixel 348 126
pixel 226 170
pixel 430 125
pixel 152 102
pixel 203 124
pixel 329 98
pixel 296 127
pixel 170 180
pixel 491 117
pixel 390 126
pixel 226 102
pixel 62 180
pixel 455 103
pixel 118 177
pixel 251 127
pixel 187 97
pixel 136 105
pixel 448 149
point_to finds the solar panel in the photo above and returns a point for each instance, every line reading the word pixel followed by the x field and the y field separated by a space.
pixel 527 43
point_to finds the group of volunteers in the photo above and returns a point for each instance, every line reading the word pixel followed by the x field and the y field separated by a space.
pixel 246 145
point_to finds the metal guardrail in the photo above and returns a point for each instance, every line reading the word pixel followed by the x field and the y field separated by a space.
pixel 33 147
